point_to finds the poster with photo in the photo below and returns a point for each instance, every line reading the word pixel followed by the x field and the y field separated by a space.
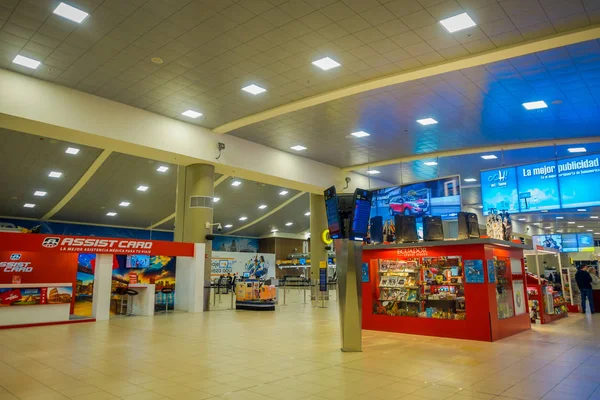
pixel 474 271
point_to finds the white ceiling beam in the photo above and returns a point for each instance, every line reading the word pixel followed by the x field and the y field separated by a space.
pixel 475 150
pixel 523 48
pixel 80 184
pixel 217 182
pixel 273 211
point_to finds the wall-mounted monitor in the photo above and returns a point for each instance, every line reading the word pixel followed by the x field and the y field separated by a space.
pixel 585 242
pixel 548 241
pixel 334 222
pixel 566 242
pixel 359 221
pixel 547 185
pixel 569 242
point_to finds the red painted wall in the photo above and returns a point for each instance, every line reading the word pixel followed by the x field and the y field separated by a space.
pixel 45 268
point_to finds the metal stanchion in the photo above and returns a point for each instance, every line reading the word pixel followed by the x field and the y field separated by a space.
pixel 284 295
pixel 232 295
pixel 219 294
pixel 304 290
pixel 214 296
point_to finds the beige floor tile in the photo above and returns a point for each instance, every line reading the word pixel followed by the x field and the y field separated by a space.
pixel 144 396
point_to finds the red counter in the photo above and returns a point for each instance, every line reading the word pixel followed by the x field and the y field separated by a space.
pixel 481 288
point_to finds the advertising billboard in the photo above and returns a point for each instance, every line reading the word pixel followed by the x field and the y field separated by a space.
pixel 545 185
pixel 549 241
pixel 585 242
pixel 439 197
pixel 538 186
pixel 567 242
pixel 499 190
pixel 574 177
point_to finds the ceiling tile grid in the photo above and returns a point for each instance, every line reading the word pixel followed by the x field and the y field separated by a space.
pixel 26 161
pixel 211 49
pixel 474 107
pixel 116 181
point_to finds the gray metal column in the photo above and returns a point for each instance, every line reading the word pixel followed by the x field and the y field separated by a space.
pixel 349 271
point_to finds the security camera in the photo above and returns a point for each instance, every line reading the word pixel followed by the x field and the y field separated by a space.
pixel 218 225
pixel 219 228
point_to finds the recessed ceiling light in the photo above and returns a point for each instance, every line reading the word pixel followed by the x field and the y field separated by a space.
pixel 430 163
pixel 547 227
pixel 216 199
pixel 55 174
pixel 560 217
pixel 580 226
pixel 470 180
pixel 142 188
pixel 236 183
pixel 427 121
pixel 581 209
pixel 228 226
pixel 72 13
pixel 124 204
pixel 191 114
pixel 544 211
pixel 72 150
pixel 489 157
pixel 307 214
pixel 522 219
pixel 535 105
pixel 577 150
pixel 360 134
pixel 274 230
pixel 26 62
pixel 254 89
pixel 326 63
pixel 243 218
pixel 458 23
pixel 28 205
pixel 594 217
pixel 111 214
pixel 373 172
pixel 289 224
pixel 559 231
pixel 283 192
pixel 570 222
pixel 262 206
pixel 39 193
pixel 590 230
pixel 162 168
pixel 298 148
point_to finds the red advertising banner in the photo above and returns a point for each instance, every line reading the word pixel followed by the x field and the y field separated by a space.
pixel 90 244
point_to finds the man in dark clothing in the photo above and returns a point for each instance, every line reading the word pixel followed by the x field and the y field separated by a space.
pixel 584 282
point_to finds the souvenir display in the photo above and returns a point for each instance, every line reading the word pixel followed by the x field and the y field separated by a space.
pixel 431 287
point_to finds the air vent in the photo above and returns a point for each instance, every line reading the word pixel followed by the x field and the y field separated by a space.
pixel 201 202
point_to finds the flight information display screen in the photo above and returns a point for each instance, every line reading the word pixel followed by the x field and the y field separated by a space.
pixel 360 214
pixel 333 213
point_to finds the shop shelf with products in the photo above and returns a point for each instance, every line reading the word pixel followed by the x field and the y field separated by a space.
pixel 454 294
pixel 551 304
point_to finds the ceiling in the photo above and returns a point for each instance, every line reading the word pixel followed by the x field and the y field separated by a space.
pixel 211 49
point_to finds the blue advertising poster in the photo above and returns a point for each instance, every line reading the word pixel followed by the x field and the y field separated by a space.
pixel 323 279
pixel 538 186
pixel 491 271
pixel 235 244
pixel 569 242
pixel 499 190
pixel 574 177
pixel 439 197
pixel 549 241
pixel 585 242
pixel 474 271
pixel 365 272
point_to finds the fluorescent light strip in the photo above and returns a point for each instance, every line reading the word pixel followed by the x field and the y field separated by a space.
pixel 111 214
pixel 283 192
pixel 236 183
pixel 489 157
pixel 470 180
pixel 142 188
pixel 26 62
pixel 55 174
pixel 69 12
pixel 72 150
pixel 360 134
pixel 326 63
pixel 162 168
pixel 254 89
pixel 28 205
pixel 373 172
pixel 124 204
pixel 427 121
pixel 458 23
pixel 577 150
pixel 298 148
pixel 39 193
pixel 535 105
pixel 430 163
pixel 191 114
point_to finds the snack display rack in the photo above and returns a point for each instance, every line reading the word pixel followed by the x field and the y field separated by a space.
pixel 550 305
pixel 468 289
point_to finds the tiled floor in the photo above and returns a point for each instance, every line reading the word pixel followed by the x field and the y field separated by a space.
pixel 290 354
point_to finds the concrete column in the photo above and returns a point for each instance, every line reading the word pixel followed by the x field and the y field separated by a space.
pixel 318 223
pixel 194 209
pixel 102 287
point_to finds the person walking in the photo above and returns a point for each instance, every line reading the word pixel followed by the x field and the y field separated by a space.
pixel 584 283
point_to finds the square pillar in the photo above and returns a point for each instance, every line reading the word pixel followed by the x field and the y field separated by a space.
pixel 102 287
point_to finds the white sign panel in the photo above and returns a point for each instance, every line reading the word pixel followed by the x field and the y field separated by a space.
pixel 515 266
pixel 259 265
pixel 520 298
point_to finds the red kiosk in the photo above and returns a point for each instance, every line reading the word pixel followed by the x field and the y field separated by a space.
pixel 465 289
pixel 38 274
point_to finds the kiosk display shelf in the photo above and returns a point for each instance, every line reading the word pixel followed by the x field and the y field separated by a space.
pixel 547 303
pixel 467 289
